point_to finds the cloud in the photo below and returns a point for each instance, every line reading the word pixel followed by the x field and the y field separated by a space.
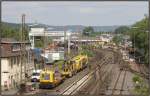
pixel 75 12
pixel 87 10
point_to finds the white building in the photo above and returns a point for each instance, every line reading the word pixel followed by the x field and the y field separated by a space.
pixel 11 58
pixel 106 37
pixel 37 30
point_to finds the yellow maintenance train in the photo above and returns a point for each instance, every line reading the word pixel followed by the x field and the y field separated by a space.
pixel 52 78
pixel 75 65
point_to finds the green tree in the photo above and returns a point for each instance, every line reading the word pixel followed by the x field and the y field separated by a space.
pixel 39 42
pixel 117 39
pixel 122 30
pixel 10 30
pixel 139 37
pixel 88 30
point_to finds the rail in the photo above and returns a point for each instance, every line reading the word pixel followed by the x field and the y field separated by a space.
pixel 73 88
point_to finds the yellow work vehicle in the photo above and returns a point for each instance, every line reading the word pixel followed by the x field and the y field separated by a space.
pixel 69 69
pixel 50 78
pixel 74 65
pixel 80 62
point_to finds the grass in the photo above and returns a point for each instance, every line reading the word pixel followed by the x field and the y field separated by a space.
pixel 140 87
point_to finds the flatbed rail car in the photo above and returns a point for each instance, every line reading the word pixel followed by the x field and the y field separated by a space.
pixel 50 79
pixel 74 65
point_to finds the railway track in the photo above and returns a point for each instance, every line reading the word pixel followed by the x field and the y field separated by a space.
pixel 99 65
pixel 123 82
pixel 119 84
pixel 117 90
pixel 100 79
pixel 76 86
pixel 76 82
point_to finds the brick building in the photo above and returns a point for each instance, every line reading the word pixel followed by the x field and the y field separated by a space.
pixel 16 61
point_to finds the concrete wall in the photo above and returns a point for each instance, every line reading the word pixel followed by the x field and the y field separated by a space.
pixel 12 73
pixel 4 70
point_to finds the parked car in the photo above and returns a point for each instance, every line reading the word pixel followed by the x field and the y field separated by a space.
pixel 36 75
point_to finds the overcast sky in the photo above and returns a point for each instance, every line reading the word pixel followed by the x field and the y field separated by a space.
pixel 76 13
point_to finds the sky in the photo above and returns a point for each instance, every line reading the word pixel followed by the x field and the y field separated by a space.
pixel 76 12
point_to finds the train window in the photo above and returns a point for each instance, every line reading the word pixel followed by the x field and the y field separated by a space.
pixel 47 76
pixel 42 76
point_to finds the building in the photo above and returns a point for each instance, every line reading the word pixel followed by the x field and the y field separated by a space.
pixel 106 37
pixel 55 33
pixel 14 63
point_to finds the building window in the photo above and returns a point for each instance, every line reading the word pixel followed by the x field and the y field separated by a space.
pixel 14 60
pixel 11 62
pixel 16 47
pixel 18 60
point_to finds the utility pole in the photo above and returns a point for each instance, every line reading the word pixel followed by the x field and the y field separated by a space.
pixel 44 49
pixel 68 35
pixel 134 44
pixel 22 52
pixel 0 48
pixel 65 44
pixel 78 44
pixel 24 47
pixel 149 45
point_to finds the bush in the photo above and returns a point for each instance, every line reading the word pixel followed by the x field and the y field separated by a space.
pixel 88 53
pixel 141 88
pixel 137 78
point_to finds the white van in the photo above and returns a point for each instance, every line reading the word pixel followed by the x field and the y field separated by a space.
pixel 36 75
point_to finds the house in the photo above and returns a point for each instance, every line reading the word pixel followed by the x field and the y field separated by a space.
pixel 106 37
pixel 16 61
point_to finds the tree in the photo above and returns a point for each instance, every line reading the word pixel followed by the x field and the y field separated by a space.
pixel 39 42
pixel 139 37
pixel 88 30
pixel 10 30
pixel 122 30
pixel 117 39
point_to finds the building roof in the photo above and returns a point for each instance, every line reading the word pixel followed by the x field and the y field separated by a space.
pixel 36 25
pixel 54 29
pixel 11 40
pixel 5 53
pixel 6 47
